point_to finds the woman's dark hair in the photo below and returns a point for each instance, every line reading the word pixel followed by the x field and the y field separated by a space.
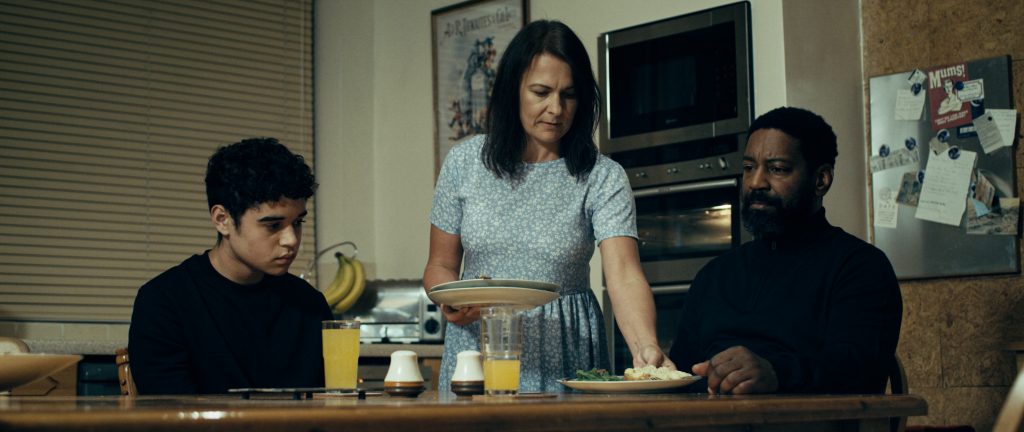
pixel 506 139
pixel 253 171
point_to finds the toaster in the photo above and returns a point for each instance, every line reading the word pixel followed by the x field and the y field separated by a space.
pixel 397 311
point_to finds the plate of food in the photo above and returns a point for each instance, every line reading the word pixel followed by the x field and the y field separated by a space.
pixel 647 379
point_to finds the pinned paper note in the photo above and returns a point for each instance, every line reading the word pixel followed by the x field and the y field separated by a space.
pixel 895 159
pixel 983 190
pixel 886 210
pixel 909 105
pixel 988 133
pixel 910 190
pixel 970 90
pixel 1006 120
pixel 917 77
pixel 944 193
pixel 937 146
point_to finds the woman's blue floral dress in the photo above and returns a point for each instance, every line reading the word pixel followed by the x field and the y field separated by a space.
pixel 542 227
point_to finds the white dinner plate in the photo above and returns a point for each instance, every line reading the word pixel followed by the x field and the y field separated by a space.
pixel 638 386
pixel 478 296
pixel 498 283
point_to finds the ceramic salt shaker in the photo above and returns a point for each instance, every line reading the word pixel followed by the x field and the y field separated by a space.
pixel 404 378
pixel 468 379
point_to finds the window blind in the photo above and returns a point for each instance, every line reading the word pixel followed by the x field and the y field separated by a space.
pixel 109 111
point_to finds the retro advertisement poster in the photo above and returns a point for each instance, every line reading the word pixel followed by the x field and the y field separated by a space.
pixel 469 39
pixel 946 108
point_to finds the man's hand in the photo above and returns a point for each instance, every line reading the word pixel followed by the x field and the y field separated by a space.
pixel 462 316
pixel 651 354
pixel 738 370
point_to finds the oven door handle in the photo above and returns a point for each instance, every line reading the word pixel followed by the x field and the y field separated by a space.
pixel 688 187
pixel 670 289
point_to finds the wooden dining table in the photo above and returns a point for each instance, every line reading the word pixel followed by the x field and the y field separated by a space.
pixel 433 412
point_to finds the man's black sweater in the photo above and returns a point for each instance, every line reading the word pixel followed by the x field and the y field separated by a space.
pixel 823 307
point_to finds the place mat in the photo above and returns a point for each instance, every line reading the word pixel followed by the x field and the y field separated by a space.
pixel 298 393
pixel 531 395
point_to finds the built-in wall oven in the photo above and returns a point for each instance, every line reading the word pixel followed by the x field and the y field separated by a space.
pixel 687 204
pixel 681 227
pixel 678 102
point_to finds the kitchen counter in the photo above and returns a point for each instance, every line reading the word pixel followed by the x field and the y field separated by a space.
pixel 429 412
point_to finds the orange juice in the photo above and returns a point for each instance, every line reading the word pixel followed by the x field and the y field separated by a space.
pixel 501 376
pixel 341 357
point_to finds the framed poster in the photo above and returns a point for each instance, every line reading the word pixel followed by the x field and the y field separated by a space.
pixel 468 40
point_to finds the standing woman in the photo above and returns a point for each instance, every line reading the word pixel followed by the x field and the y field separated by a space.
pixel 528 200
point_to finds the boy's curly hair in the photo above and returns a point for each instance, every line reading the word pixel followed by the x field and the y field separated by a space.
pixel 253 171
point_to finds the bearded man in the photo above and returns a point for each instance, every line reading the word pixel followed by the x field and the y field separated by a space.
pixel 804 307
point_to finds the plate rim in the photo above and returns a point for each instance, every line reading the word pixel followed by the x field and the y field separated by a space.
pixel 497 283
pixel 552 294
pixel 625 385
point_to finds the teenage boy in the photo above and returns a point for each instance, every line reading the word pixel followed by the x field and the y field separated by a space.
pixel 233 317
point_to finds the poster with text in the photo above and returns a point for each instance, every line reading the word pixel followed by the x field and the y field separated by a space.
pixel 468 41
pixel 946 109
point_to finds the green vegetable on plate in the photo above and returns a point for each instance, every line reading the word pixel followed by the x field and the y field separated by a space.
pixel 596 374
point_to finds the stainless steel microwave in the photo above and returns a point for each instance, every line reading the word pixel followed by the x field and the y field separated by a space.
pixel 681 79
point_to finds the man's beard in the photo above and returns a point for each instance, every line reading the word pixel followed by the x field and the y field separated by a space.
pixel 782 218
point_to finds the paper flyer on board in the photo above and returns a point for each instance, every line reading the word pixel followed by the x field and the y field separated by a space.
pixel 945 107
pixel 946 184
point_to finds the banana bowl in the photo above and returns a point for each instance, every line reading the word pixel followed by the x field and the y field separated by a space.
pixel 18 369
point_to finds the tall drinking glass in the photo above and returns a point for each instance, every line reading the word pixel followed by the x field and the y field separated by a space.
pixel 501 340
pixel 341 353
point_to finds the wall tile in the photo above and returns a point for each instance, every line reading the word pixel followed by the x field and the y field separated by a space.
pixel 975 406
pixel 919 334
pixel 81 332
pixel 959 33
pixel 936 406
pixel 1014 25
pixel 37 330
pixel 8 329
pixel 889 29
pixel 973 334
pixel 118 332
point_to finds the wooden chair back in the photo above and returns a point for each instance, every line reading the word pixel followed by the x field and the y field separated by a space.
pixel 897 385
pixel 1011 417
pixel 124 373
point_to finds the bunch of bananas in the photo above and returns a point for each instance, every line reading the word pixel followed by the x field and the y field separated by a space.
pixel 348 284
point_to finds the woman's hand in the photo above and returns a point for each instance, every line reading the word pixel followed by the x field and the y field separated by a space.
pixel 462 316
pixel 651 354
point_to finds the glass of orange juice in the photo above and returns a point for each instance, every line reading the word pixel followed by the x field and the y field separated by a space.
pixel 341 353
pixel 501 343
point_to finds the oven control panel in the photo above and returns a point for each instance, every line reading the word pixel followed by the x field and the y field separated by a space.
pixel 679 172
